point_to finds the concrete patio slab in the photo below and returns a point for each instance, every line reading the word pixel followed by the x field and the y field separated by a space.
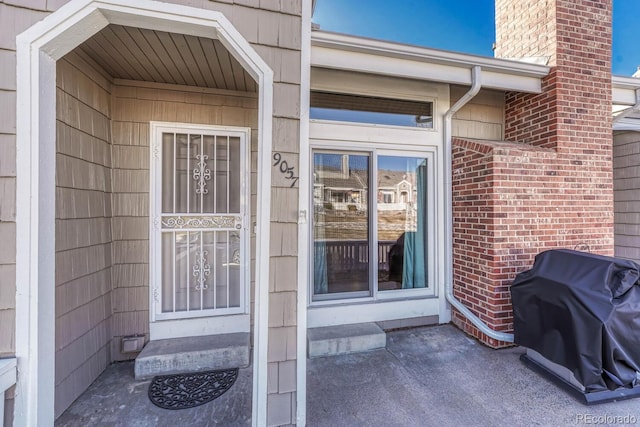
pixel 437 376
pixel 116 399
pixel 343 339
pixel 429 376
pixel 193 354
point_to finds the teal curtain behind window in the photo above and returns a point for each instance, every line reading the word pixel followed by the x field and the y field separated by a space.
pixel 414 271
pixel 320 284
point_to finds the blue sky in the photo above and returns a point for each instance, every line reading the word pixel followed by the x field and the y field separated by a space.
pixel 466 27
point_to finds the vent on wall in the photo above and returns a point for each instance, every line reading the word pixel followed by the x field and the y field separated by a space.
pixel 132 344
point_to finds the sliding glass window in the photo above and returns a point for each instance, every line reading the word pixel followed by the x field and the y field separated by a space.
pixel 402 222
pixel 370 223
pixel 341 223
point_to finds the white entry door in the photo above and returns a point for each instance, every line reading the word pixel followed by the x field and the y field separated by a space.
pixel 199 239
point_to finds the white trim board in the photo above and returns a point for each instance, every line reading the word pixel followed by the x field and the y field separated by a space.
pixel 229 324
pixel 303 214
pixel 374 311
pixel 38 49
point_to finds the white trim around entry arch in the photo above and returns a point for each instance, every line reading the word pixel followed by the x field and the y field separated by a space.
pixel 38 49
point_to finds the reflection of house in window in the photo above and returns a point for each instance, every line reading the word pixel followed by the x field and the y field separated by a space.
pixel 340 185
pixel 396 189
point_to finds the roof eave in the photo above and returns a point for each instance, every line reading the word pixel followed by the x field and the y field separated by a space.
pixel 345 52
pixel 627 124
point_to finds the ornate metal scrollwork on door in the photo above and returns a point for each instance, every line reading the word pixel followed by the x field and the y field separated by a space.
pixel 201 270
pixel 202 174
pixel 218 221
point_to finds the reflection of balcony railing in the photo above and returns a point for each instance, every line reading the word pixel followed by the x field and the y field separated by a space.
pixel 350 255
pixel 392 206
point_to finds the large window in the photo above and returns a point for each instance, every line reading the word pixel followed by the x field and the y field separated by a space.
pixel 370 224
pixel 371 110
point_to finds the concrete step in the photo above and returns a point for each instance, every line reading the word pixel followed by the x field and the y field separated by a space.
pixel 192 354
pixel 343 339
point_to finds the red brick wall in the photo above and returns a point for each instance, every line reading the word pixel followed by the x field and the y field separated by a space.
pixel 554 188
pixel 573 113
pixel 575 106
pixel 533 118
pixel 525 28
pixel 510 202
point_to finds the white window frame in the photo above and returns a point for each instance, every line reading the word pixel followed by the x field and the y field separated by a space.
pixel 430 154
pixel 382 140
pixel 155 233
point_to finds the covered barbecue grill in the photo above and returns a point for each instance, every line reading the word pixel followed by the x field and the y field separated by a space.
pixel 579 316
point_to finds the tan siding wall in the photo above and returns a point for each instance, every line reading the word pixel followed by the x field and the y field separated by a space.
pixel 626 184
pixel 83 229
pixel 273 27
pixel 134 106
pixel 481 118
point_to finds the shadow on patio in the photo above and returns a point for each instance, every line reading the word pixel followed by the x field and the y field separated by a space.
pixel 431 376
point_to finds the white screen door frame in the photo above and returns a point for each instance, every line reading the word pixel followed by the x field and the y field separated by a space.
pixel 199 233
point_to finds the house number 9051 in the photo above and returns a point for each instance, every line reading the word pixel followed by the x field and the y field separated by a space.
pixel 285 169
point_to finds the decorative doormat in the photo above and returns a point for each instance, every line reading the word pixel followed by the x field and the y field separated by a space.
pixel 182 391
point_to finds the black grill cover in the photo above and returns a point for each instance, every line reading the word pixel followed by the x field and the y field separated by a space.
pixel 581 311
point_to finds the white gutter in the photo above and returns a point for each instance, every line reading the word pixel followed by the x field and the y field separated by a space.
pixel 476 78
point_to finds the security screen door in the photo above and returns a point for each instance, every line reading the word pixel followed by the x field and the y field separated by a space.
pixel 200 248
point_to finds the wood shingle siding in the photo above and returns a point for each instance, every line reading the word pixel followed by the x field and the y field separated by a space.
pixel 626 185
pixel 480 118
pixel 83 230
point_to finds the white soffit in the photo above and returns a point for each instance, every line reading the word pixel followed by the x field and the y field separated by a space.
pixel 625 94
pixel 344 52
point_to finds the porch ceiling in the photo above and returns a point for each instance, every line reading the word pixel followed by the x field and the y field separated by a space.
pixel 157 56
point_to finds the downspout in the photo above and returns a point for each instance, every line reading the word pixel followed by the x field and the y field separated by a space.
pixel 629 110
pixel 476 84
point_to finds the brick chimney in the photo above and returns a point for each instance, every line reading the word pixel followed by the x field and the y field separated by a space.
pixel 550 184
pixel 574 111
